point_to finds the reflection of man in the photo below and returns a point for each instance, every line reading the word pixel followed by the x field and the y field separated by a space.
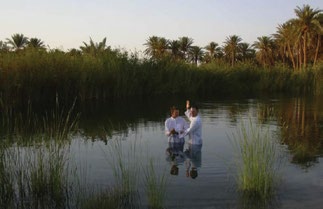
pixel 195 129
pixel 175 126
pixel 193 160
pixel 175 155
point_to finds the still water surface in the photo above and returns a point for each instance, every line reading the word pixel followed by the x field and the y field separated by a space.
pixel 296 124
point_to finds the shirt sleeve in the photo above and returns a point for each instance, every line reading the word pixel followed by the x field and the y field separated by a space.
pixel 167 131
pixel 188 114
pixel 193 126
pixel 186 125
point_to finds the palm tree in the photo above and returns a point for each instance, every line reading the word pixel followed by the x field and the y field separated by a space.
pixel 319 38
pixel 74 52
pixel 286 38
pixel 212 50
pixel 308 24
pixel 265 53
pixel 17 41
pixel 174 47
pixel 246 51
pixel 151 46
pixel 3 47
pixel 156 47
pixel 195 54
pixel 231 48
pixel 95 48
pixel 162 47
pixel 185 44
pixel 36 43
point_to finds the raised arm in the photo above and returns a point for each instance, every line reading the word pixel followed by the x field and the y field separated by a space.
pixel 188 111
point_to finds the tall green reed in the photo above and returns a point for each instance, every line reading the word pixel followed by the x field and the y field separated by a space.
pixel 28 125
pixel 125 164
pixel 156 185
pixel 40 75
pixel 35 177
pixel 258 161
pixel 34 165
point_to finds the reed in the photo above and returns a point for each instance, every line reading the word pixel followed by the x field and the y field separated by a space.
pixel 28 125
pixel 34 168
pixel 35 177
pixel 7 188
pixel 108 199
pixel 40 75
pixel 258 161
pixel 48 177
pixel 124 164
pixel 156 185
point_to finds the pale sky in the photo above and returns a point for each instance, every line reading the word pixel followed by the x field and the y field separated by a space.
pixel 127 24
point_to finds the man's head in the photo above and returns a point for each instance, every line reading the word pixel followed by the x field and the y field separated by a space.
pixel 194 110
pixel 174 170
pixel 193 173
pixel 174 112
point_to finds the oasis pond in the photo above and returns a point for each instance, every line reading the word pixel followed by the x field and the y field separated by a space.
pixel 295 124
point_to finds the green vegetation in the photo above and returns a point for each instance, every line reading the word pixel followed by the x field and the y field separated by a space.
pixel 125 165
pixel 289 61
pixel 155 187
pixel 257 162
pixel 34 164
pixel 40 76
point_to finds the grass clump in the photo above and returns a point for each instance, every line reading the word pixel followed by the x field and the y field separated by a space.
pixel 155 187
pixel 108 199
pixel 125 168
pixel 257 161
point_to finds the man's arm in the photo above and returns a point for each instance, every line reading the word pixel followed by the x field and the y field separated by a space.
pixel 193 127
pixel 167 131
pixel 188 111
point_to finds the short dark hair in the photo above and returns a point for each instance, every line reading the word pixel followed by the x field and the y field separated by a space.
pixel 172 109
pixel 194 106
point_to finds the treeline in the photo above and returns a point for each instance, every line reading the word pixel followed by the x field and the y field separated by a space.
pixel 30 71
pixel 41 76
pixel 296 43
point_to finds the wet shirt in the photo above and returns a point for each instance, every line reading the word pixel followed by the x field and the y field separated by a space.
pixel 195 129
pixel 180 125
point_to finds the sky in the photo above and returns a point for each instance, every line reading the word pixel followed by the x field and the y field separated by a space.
pixel 127 24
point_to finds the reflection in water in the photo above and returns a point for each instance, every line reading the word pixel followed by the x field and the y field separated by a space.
pixel 300 120
pixel 193 160
pixel 300 124
pixel 175 155
pixel 191 157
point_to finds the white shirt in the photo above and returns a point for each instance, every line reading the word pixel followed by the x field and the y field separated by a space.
pixel 179 124
pixel 195 129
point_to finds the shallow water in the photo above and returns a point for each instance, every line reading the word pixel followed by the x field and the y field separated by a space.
pixel 296 124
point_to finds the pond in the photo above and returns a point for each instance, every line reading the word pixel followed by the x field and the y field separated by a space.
pixel 295 124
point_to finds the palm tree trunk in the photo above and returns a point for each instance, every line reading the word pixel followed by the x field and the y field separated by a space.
pixel 291 56
pixel 317 48
pixel 304 49
pixel 300 57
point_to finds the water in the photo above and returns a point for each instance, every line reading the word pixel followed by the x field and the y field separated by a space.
pixel 296 124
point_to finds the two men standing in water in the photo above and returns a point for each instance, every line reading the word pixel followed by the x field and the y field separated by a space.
pixel 176 128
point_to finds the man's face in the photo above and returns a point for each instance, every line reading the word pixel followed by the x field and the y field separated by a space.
pixel 193 112
pixel 175 113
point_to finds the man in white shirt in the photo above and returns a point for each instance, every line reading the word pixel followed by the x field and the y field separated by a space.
pixel 195 129
pixel 175 127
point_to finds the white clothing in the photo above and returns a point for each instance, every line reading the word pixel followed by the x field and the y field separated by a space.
pixel 180 125
pixel 195 129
